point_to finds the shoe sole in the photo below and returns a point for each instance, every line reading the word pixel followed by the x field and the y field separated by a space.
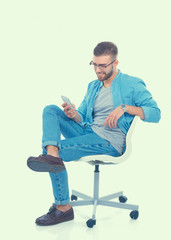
pixel 39 166
pixel 60 221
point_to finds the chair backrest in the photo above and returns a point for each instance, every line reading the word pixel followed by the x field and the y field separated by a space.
pixel 106 159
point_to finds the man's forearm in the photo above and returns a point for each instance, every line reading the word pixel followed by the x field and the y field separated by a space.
pixel 137 111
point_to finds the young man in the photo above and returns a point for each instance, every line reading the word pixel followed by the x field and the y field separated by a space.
pixel 99 126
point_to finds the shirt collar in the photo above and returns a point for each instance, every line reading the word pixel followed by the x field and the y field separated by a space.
pixel 117 76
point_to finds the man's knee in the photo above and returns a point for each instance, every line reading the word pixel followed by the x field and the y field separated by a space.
pixel 52 109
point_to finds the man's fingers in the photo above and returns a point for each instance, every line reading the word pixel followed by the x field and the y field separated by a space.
pixel 105 122
pixel 108 120
pixel 67 108
pixel 116 122
pixel 71 111
pixel 111 120
pixel 64 104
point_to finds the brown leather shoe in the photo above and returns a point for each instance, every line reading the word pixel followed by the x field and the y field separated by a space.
pixel 54 216
pixel 46 163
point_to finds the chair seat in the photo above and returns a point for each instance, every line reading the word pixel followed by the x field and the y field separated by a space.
pixel 101 159
pixel 105 159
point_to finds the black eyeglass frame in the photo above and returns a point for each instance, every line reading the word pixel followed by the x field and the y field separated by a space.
pixel 101 65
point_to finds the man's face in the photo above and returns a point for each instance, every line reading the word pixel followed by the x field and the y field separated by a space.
pixel 103 73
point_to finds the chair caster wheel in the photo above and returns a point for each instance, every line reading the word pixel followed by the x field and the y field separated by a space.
pixel 90 223
pixel 73 197
pixel 134 214
pixel 123 199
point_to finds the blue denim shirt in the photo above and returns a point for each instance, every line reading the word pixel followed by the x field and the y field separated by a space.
pixel 125 90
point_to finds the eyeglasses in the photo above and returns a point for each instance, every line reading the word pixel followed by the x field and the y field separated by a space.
pixel 101 66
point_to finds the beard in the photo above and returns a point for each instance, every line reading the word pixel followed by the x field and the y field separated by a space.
pixel 102 76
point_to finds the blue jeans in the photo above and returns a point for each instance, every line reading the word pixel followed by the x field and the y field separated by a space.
pixel 79 142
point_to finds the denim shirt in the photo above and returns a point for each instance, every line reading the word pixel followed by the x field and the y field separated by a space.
pixel 125 90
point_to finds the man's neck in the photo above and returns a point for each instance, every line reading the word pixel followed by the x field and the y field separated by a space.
pixel 107 82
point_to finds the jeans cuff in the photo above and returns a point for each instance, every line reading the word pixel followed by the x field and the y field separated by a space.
pixel 53 143
pixel 62 202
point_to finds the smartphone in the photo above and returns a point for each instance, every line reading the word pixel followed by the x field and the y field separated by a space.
pixel 65 99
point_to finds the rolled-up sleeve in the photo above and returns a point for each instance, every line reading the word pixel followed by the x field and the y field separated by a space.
pixel 144 99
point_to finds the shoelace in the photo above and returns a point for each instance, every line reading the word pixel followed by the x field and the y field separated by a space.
pixel 52 209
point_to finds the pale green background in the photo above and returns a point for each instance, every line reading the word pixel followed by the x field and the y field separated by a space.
pixel 44 53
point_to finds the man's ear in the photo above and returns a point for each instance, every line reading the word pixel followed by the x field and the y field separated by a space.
pixel 116 62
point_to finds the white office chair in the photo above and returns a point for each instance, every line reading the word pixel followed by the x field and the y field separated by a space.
pixel 97 160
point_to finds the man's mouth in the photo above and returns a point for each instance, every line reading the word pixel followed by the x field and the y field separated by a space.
pixel 100 74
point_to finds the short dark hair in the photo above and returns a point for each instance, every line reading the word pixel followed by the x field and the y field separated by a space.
pixel 106 48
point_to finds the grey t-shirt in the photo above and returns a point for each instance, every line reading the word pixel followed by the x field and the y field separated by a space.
pixel 102 108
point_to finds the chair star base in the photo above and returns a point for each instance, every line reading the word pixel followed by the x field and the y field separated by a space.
pixel 104 201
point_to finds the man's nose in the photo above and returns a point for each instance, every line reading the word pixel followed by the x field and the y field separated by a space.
pixel 97 67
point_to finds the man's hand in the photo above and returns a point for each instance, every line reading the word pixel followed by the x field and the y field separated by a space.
pixel 71 113
pixel 113 117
